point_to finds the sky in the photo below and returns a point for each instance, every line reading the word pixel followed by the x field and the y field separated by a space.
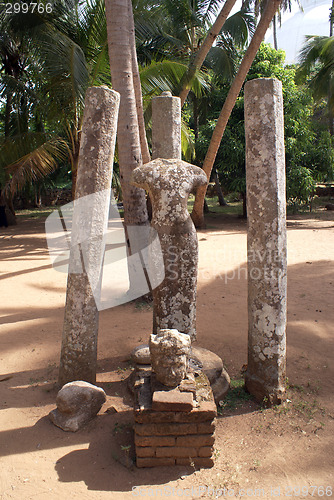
pixel 313 20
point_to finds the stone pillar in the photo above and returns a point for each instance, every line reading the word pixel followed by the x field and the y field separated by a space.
pixel 267 252
pixel 166 126
pixel 169 183
pixel 90 219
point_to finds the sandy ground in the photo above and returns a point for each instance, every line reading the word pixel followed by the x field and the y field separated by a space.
pixel 259 452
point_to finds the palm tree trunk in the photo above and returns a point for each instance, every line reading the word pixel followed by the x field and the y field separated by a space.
pixel 8 109
pixel 137 89
pixel 74 167
pixel 220 194
pixel 275 32
pixel 266 18
pixel 204 49
pixel 196 117
pixel 244 204
pixel 7 197
pixel 129 150
pixel 330 112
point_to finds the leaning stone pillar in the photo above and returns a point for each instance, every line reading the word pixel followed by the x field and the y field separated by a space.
pixel 267 254
pixel 166 126
pixel 90 217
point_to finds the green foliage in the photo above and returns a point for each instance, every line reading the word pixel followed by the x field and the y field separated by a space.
pixel 236 396
pixel 300 184
pixel 49 60
pixel 37 155
pixel 317 65
pixel 308 145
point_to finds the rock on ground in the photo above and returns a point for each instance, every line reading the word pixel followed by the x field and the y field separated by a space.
pixel 77 403
pixel 141 355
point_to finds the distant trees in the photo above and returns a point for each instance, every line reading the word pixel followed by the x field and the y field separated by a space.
pixel 267 15
pixel 49 59
pixel 309 156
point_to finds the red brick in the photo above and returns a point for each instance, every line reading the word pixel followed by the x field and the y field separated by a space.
pixel 176 451
pixel 145 451
pixel 154 440
pixel 165 429
pixel 197 441
pixel 175 429
pixel 195 415
pixel 206 427
pixel 198 462
pixel 154 462
pixel 145 429
pixel 208 407
pixel 172 401
pixel 205 451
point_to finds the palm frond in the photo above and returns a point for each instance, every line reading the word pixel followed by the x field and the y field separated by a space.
pixel 167 75
pixel 10 86
pixel 240 26
pixel 317 49
pixel 209 8
pixel 30 157
pixel 221 60
pixel 187 142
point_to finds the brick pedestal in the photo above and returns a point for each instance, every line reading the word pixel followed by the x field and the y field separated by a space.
pixel 174 427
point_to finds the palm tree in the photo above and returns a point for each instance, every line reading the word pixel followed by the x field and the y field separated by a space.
pixel 317 61
pixel 205 47
pixel 60 55
pixel 317 65
pixel 266 18
pixel 259 5
pixel 121 54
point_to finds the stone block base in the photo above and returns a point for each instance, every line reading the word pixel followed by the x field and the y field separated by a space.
pixel 174 427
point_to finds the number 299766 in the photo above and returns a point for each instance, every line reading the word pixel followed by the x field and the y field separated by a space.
pixel 24 8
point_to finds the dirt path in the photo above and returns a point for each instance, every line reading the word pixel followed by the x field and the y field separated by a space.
pixel 256 449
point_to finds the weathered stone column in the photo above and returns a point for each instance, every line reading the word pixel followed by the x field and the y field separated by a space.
pixel 166 126
pixel 267 253
pixel 169 183
pixel 90 219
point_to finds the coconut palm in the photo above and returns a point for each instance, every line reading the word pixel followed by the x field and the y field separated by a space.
pixel 316 60
pixel 265 20
pixel 317 65
pixel 60 54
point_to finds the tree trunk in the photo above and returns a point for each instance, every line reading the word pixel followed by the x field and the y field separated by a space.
pixel 220 195
pixel 275 32
pixel 330 112
pixel 204 49
pixel 38 197
pixel 137 88
pixel 196 117
pixel 244 205
pixel 266 18
pixel 7 114
pixel 74 164
pixel 129 150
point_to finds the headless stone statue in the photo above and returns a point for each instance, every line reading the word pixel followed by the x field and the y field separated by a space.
pixel 169 183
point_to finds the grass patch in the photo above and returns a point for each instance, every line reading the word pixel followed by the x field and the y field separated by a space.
pixel 317 206
pixel 236 396
pixel 233 208
pixel 35 213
